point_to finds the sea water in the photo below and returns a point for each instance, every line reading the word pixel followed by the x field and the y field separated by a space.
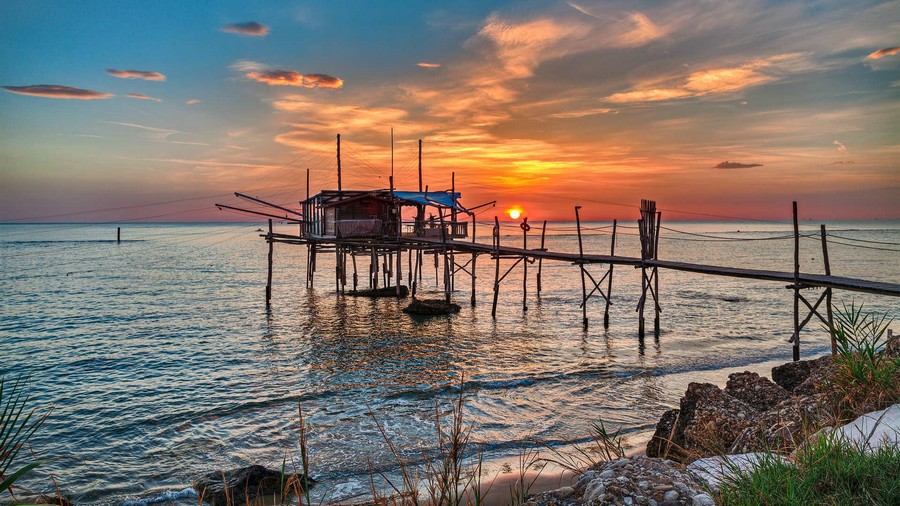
pixel 162 362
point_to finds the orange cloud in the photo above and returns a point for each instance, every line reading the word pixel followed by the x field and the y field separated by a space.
pixel 192 101
pixel 426 65
pixel 717 80
pixel 881 53
pixel 248 29
pixel 143 97
pixel 136 74
pixel 57 91
pixel 292 78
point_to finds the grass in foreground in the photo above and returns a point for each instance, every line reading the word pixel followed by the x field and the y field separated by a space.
pixel 828 471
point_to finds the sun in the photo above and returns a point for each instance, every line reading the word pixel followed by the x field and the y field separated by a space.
pixel 515 213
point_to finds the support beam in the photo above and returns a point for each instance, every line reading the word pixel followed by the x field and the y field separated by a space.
pixel 612 252
pixel 828 306
pixel 796 338
pixel 497 267
pixel 584 318
pixel 269 276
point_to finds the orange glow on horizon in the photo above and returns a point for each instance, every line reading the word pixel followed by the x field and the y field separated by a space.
pixel 515 213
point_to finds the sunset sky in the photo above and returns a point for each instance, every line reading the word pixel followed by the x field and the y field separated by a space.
pixel 156 110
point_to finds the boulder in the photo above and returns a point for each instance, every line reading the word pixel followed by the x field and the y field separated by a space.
pixel 240 486
pixel 873 430
pixel 661 442
pixel 784 426
pixel 714 471
pixel 793 374
pixel 709 422
pixel 756 391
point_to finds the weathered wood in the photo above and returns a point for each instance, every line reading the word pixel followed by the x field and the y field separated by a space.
pixel 540 261
pixel 612 252
pixel 525 227
pixel 118 235
pixel 496 236
pixel 796 338
pixel 269 275
pixel 584 318
pixel 339 164
pixel 828 291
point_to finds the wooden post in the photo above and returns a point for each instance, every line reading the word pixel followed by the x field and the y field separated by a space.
pixel 415 274
pixel 612 252
pixel 656 276
pixel 340 193
pixel 497 268
pixel 796 339
pixel 447 287
pixel 337 269
pixel 474 260
pixel 118 235
pixel 584 318
pixel 420 164
pixel 312 264
pixel 355 275
pixel 828 291
pixel 541 259
pixel 399 269
pixel 525 228
pixel 269 276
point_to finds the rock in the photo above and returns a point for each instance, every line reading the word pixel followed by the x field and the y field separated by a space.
pixel 756 391
pixel 783 427
pixel 713 471
pixel 639 480
pixel 873 430
pixel 431 307
pixel 703 500
pixel 609 473
pixel 661 442
pixel 671 495
pixel 58 500
pixel 238 486
pixel 792 374
pixel 709 422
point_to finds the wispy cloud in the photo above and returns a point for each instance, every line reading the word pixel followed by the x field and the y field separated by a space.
pixel 718 80
pixel 580 114
pixel 152 132
pixel 293 78
pixel 57 91
pixel 426 65
pixel 840 146
pixel 192 101
pixel 141 96
pixel 247 29
pixel 881 53
pixel 146 75
pixel 736 165
pixel 247 66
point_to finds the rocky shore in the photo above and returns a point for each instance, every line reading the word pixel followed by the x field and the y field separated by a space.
pixel 715 431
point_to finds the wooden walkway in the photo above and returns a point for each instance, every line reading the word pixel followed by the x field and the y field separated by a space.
pixel 807 280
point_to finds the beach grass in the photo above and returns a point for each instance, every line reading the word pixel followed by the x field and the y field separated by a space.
pixel 827 470
pixel 17 425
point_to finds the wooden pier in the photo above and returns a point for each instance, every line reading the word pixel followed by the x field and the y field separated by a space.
pixel 370 225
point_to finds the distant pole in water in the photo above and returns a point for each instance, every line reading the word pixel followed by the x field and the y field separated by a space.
pixel 118 235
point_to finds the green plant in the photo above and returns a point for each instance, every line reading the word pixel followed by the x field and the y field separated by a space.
pixel 604 447
pixel 17 425
pixel 865 376
pixel 827 470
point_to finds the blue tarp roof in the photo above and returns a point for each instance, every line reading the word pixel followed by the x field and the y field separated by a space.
pixel 443 199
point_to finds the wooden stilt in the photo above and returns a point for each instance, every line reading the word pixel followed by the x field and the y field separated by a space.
pixel 447 275
pixel 796 337
pixel 337 269
pixel 355 275
pixel 415 274
pixel 269 276
pixel 474 270
pixel 584 318
pixel 655 275
pixel 118 235
pixel 612 252
pixel 497 268
pixel 525 227
pixel 399 270
pixel 828 291
pixel 541 260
